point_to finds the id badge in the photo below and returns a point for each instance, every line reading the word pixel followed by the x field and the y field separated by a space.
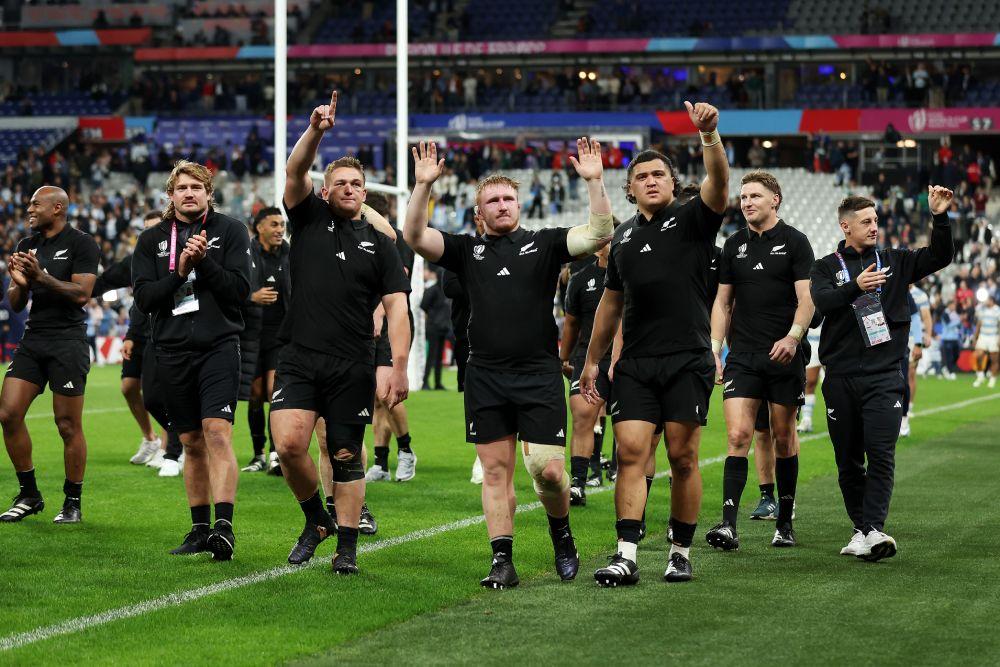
pixel 185 300
pixel 871 319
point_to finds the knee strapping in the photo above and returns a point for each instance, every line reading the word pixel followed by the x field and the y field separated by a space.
pixel 344 443
pixel 536 459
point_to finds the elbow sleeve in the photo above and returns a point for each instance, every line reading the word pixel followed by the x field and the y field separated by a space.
pixel 584 239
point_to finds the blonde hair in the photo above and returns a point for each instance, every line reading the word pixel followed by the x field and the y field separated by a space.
pixel 495 179
pixel 196 171
pixel 766 179
pixel 347 161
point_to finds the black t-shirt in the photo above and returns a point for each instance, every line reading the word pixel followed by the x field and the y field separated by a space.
pixel 583 294
pixel 54 317
pixel 340 269
pixel 763 268
pixel 713 278
pixel 272 273
pixel 511 281
pixel 406 254
pixel 663 267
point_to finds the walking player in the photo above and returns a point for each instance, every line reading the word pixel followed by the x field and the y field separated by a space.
pixel 862 291
pixel 57 265
pixel 513 387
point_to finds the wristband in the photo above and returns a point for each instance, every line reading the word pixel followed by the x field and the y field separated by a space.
pixel 797 332
pixel 716 345
pixel 710 138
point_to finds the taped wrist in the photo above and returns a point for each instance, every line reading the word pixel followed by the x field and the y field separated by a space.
pixel 536 458
pixel 583 239
pixel 344 443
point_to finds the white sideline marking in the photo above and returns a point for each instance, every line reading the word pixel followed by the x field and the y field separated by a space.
pixel 94 411
pixel 81 623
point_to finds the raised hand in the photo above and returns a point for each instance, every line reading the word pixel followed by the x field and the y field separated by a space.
pixel 871 278
pixel 589 165
pixel 704 116
pixel 939 198
pixel 427 167
pixel 323 117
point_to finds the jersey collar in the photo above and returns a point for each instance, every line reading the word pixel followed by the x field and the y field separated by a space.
pixel 514 237
pixel 658 217
pixel 42 240
pixel 770 235
pixel 851 253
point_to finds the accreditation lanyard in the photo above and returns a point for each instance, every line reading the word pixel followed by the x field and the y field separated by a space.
pixel 847 274
pixel 173 241
pixel 868 309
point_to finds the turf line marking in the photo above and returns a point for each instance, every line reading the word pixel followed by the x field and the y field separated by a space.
pixel 81 623
pixel 94 411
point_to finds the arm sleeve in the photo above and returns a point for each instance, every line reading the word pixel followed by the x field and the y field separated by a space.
pixel 150 293
pixel 558 239
pixel 705 223
pixel 456 249
pixel 827 296
pixel 230 280
pixel 392 276
pixel 302 213
pixel 86 256
pixel 612 279
pixel 919 264
pixel 804 258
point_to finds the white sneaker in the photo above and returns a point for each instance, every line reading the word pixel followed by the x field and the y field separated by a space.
pixel 805 426
pixel 170 468
pixel 147 449
pixel 477 472
pixel 879 546
pixel 406 466
pixel 979 381
pixel 993 382
pixel 273 464
pixel 904 427
pixel 377 474
pixel 156 461
pixel 856 547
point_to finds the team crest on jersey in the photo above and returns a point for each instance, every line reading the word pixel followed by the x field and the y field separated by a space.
pixel 742 252
pixel 778 250
pixel 477 251
pixel 528 248
pixel 592 285
pixel 162 247
pixel 627 236
pixel 367 247
pixel 842 277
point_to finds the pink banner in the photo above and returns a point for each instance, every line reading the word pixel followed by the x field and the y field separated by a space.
pixel 931 121
pixel 927 40
pixel 471 48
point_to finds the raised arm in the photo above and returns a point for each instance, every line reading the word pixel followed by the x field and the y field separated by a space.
pixel 715 187
pixel 298 185
pixel 426 241
pixel 587 239
pixel 939 253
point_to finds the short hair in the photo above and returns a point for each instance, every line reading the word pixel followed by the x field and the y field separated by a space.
pixel 649 155
pixel 265 212
pixel 495 179
pixel 853 204
pixel 379 202
pixel 152 215
pixel 348 161
pixel 688 191
pixel 766 179
pixel 196 171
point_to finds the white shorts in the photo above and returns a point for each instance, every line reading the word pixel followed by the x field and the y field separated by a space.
pixel 988 343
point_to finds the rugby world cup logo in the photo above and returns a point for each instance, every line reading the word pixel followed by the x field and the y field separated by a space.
pixel 477 251
pixel 742 251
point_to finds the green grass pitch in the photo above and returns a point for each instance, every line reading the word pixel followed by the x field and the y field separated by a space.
pixel 107 592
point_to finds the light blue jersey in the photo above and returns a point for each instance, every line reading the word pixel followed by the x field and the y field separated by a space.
pixel 916 322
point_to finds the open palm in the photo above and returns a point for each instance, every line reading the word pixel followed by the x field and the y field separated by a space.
pixel 426 165
pixel 589 164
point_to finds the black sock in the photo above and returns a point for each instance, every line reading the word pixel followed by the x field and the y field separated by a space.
pixel 503 547
pixel 312 507
pixel 578 467
pixel 403 443
pixel 255 420
pixel 734 480
pixel 201 516
pixel 767 490
pixel 558 526
pixel 786 473
pixel 628 530
pixel 73 491
pixel 683 532
pixel 382 457
pixel 649 485
pixel 26 480
pixel 347 540
pixel 224 512
pixel 174 446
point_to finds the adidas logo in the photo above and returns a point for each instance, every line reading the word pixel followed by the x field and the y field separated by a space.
pixel 560 434
pixel 364 413
pixel 645 248
pixel 729 503
pixel 341 255
pixel 503 272
pixel 271 279
pixel 227 410
pixel 68 385
pixel 898 405
pixel 759 267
